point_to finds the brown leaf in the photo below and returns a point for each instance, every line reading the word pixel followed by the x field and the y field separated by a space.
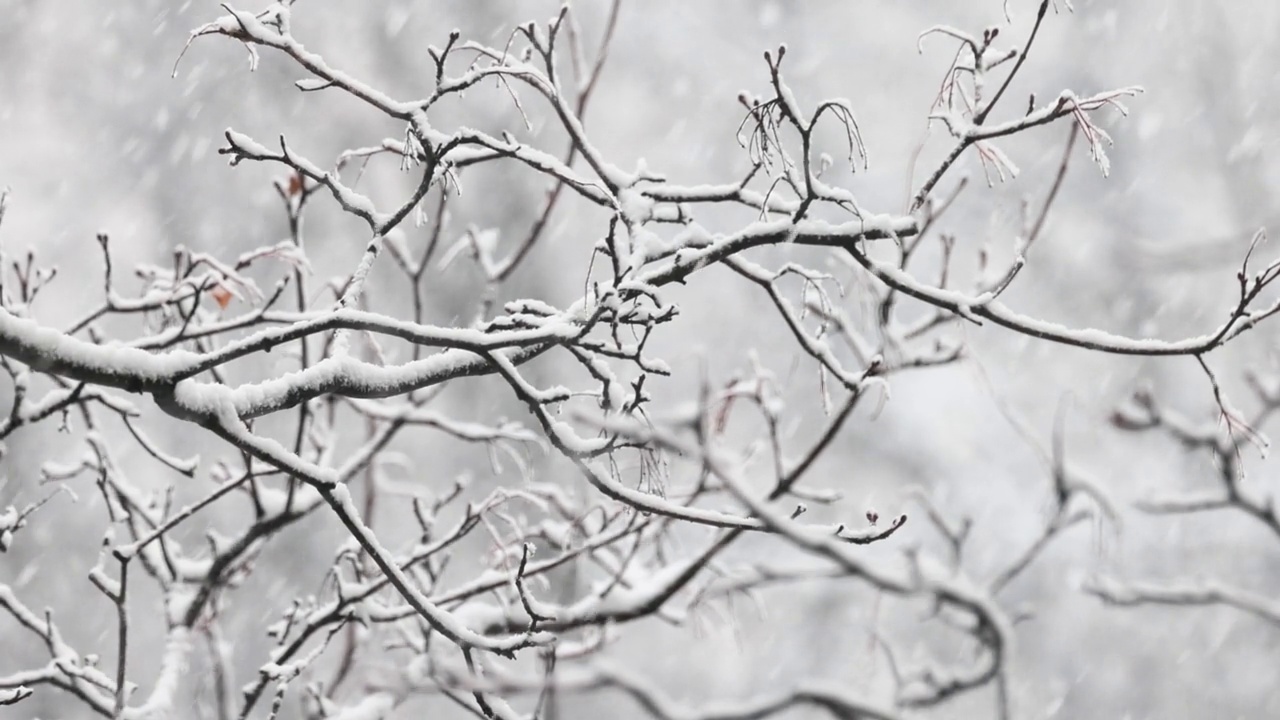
pixel 221 295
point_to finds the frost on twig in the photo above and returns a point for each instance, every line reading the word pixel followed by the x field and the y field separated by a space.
pixel 599 507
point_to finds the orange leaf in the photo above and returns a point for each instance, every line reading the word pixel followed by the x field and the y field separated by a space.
pixel 221 295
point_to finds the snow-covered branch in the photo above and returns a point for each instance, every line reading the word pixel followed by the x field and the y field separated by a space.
pixel 597 493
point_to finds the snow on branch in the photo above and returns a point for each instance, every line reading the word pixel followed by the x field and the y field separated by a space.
pixel 360 401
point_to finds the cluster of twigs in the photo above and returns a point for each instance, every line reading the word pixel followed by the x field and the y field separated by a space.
pixel 464 634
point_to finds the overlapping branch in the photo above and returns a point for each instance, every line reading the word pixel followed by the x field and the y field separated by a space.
pixel 647 472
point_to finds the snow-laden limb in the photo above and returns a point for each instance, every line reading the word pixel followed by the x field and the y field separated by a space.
pixel 13 694
pixel 686 260
pixel 241 147
pixel 1067 103
pixel 298 326
pixel 135 370
pixel 271 29
pixel 49 351
pixel 985 306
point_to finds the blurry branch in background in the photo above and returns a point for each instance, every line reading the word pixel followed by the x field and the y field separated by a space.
pixel 1224 439
pixel 659 477
pixel 1203 593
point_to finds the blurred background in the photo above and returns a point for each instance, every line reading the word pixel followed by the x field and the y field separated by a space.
pixel 96 136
